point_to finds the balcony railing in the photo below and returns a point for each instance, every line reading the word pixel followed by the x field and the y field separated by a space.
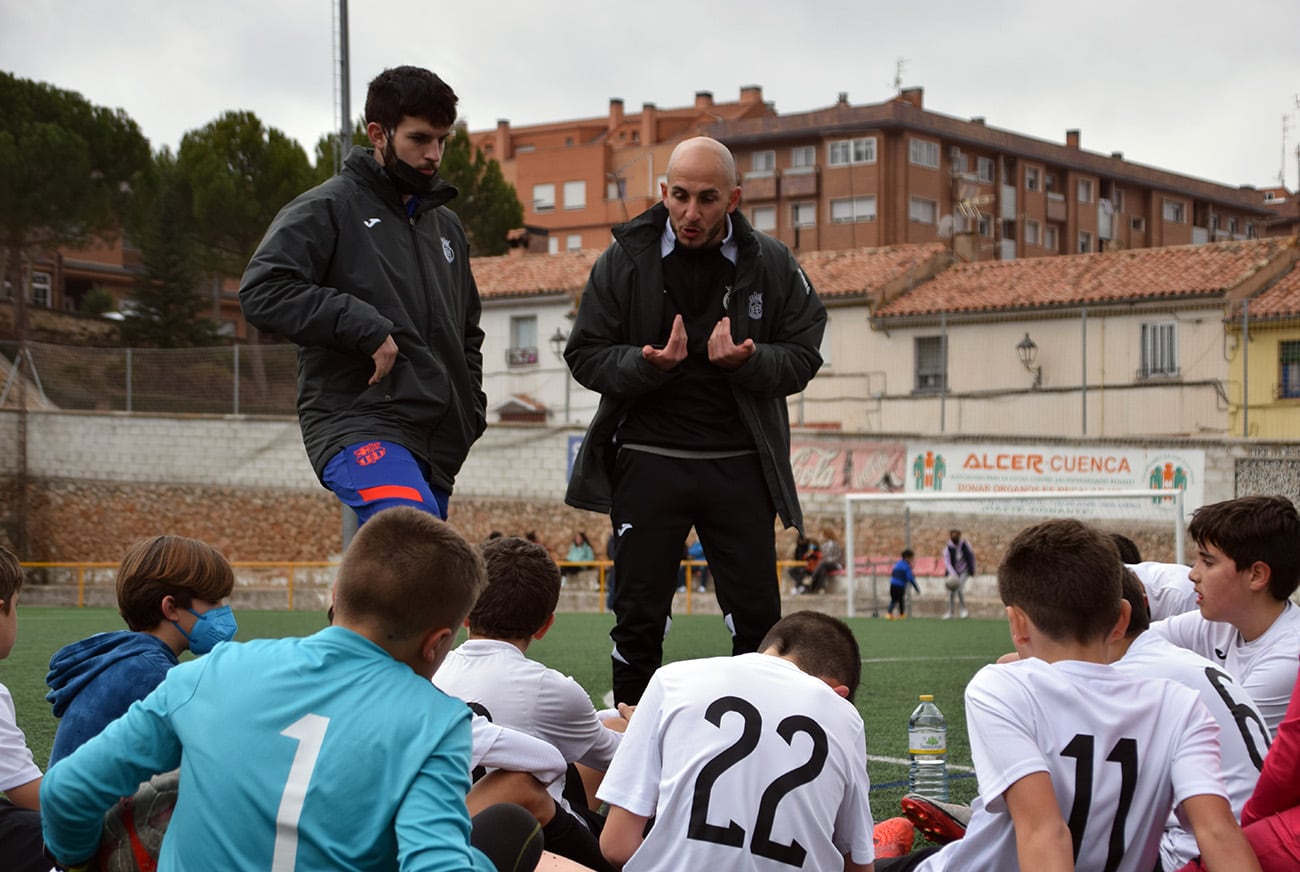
pixel 522 356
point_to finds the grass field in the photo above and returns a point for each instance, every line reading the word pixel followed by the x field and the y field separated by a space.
pixel 901 659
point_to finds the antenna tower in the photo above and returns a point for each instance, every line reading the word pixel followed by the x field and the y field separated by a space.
pixel 899 65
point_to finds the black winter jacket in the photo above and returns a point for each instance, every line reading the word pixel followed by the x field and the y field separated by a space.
pixel 621 311
pixel 341 268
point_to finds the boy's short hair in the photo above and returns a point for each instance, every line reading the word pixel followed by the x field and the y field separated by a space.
pixel 401 91
pixel 11 578
pixel 1128 550
pixel 1254 528
pixel 408 572
pixel 162 566
pixel 523 589
pixel 1066 576
pixel 908 553
pixel 1140 613
pixel 820 644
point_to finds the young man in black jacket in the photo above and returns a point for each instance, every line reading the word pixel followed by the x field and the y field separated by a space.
pixel 369 274
pixel 694 328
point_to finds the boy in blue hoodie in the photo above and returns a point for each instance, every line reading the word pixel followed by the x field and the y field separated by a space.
pixel 169 591
pixel 899 578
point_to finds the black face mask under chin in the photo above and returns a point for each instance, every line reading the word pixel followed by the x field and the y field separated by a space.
pixel 407 178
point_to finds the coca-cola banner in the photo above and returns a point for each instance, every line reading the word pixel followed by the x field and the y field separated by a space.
pixel 841 467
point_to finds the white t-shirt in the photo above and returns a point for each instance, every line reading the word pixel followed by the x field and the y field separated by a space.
pixel 530 697
pixel 16 764
pixel 1169 589
pixel 1243 735
pixel 1121 752
pixel 1265 668
pixel 497 747
pixel 747 763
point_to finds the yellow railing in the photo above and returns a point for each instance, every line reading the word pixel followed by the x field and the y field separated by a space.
pixel 292 568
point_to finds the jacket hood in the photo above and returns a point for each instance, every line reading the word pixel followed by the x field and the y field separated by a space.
pixel 74 666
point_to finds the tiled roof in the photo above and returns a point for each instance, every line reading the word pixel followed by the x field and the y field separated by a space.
pixel 863 271
pixel 1139 274
pixel 1280 301
pixel 532 274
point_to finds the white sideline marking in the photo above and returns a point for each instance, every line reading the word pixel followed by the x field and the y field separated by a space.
pixel 873 758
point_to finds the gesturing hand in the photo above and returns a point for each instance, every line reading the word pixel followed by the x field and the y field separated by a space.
pixel 673 353
pixel 725 353
pixel 385 356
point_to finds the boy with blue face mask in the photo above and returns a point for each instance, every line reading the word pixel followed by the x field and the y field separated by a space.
pixel 170 592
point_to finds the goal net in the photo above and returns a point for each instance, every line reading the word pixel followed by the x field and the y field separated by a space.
pixel 879 525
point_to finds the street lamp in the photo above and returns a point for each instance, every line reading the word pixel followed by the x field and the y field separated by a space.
pixel 1027 350
pixel 558 340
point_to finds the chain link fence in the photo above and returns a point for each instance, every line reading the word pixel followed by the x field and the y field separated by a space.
pixel 1188 369
pixel 225 380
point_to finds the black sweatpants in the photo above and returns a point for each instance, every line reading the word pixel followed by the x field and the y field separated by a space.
pixel 21 846
pixel 656 501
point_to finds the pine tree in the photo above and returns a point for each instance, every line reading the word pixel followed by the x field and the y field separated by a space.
pixel 167 311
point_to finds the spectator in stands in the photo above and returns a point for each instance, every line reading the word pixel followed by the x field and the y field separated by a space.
pixel 580 551
pixel 808 553
pixel 831 562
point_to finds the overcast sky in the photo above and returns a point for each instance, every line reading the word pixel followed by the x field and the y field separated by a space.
pixel 1192 86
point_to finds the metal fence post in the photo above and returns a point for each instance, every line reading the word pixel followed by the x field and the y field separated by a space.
pixel 236 390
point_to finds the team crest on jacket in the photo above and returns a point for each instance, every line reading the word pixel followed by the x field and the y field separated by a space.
pixel 755 306
pixel 446 250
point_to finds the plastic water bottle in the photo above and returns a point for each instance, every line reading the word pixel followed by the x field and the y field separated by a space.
pixel 927 744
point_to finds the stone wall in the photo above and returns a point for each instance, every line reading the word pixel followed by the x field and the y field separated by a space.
pixel 99 481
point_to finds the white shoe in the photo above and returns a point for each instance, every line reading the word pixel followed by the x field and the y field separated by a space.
pixel 965 614
pixel 947 616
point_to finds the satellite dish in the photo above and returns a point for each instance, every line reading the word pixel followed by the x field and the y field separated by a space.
pixel 945 227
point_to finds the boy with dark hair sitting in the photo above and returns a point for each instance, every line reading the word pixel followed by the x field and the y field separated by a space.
pixel 169 591
pixel 492 672
pixel 329 752
pixel 750 762
pixel 1247 567
pixel 1079 764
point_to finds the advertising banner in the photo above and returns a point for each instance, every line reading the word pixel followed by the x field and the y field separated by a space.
pixel 994 469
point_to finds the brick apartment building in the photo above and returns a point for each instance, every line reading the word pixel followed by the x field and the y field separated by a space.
pixel 881 174
pixel 832 179
pixel 577 179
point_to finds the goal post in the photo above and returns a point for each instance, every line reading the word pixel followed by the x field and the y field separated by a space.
pixel 1150 505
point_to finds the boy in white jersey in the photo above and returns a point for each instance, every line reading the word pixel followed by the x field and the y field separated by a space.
pixel 1243 737
pixel 1247 567
pixel 753 762
pixel 1079 764
pixel 491 671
